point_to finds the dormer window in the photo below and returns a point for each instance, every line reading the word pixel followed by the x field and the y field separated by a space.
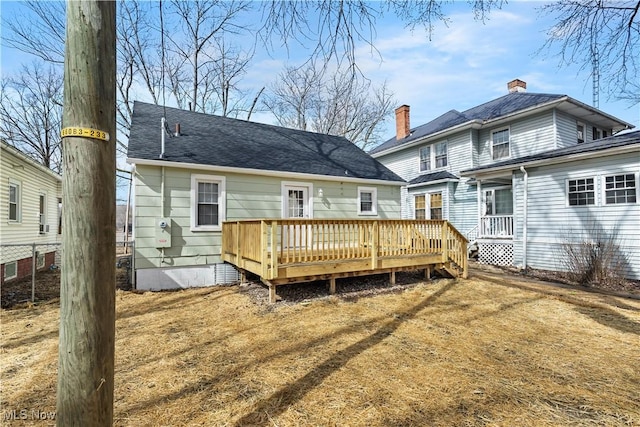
pixel 500 144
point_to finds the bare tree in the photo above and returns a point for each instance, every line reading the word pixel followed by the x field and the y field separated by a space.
pixel 606 31
pixel 192 48
pixel 31 113
pixel 336 103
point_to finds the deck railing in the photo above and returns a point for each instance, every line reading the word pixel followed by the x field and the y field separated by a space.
pixel 496 226
pixel 265 245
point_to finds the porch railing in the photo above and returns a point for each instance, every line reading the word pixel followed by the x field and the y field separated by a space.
pixel 269 244
pixel 496 226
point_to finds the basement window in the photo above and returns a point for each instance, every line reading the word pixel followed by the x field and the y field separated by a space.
pixel 11 270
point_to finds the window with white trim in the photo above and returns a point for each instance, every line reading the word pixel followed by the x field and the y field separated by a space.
pixel 619 189
pixel 367 201
pixel 428 206
pixel 500 144
pixel 420 207
pixel 14 202
pixel 40 260
pixel 580 132
pixel 498 201
pixel 425 158
pixel 433 156
pixel 441 154
pixel 42 215
pixel 207 202
pixel 581 192
pixel 10 270
pixel 435 206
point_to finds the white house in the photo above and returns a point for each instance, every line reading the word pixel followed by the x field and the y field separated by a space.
pixel 521 175
pixel 31 198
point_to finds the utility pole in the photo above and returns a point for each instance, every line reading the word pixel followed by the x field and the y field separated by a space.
pixel 87 288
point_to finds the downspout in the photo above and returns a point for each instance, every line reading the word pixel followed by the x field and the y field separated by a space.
pixel 524 222
pixel 162 201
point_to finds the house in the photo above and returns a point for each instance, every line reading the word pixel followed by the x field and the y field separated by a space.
pixel 211 169
pixel 522 176
pixel 31 198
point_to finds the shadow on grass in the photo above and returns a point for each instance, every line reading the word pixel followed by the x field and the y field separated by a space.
pixel 611 319
pixel 558 291
pixel 278 402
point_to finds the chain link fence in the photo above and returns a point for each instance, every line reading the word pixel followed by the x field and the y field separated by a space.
pixel 31 272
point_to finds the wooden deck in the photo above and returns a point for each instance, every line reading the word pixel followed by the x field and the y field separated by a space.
pixel 284 251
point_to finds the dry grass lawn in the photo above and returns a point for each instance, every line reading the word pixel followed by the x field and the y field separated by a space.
pixel 491 350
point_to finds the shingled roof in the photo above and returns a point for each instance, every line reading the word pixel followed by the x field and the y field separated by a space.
pixel 510 104
pixel 499 107
pixel 225 142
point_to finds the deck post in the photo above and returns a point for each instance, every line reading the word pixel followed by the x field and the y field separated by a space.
pixel 392 277
pixel 332 285
pixel 243 276
pixel 272 294
pixel 264 254
pixel 274 249
pixel 427 273
pixel 237 245
pixel 374 245
pixel 445 242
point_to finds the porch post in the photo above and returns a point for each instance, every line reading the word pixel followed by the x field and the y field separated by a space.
pixel 479 191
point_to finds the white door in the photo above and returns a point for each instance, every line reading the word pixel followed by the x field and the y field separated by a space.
pixel 296 205
pixel 296 202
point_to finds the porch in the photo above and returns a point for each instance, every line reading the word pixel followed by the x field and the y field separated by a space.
pixel 283 251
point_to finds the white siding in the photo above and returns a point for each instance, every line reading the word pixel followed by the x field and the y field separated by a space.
pixel 551 222
pixel 527 136
pixel 34 180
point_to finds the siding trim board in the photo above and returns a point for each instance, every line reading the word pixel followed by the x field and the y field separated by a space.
pixel 261 172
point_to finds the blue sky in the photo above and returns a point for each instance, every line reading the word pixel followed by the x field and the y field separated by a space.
pixel 464 64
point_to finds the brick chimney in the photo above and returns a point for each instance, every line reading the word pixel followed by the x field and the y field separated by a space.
pixel 402 122
pixel 517 85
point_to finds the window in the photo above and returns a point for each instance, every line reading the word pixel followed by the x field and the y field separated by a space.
pixel 367 201
pixel 620 189
pixel 435 206
pixel 207 202
pixel 10 270
pixel 425 158
pixel 436 156
pixel 581 192
pixel 39 260
pixel 59 216
pixel 596 133
pixel 441 155
pixel 498 201
pixel 500 144
pixel 420 211
pixel 428 206
pixel 580 129
pixel 14 202
pixel 42 216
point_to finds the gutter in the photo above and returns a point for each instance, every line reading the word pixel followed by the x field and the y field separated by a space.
pixel 261 172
